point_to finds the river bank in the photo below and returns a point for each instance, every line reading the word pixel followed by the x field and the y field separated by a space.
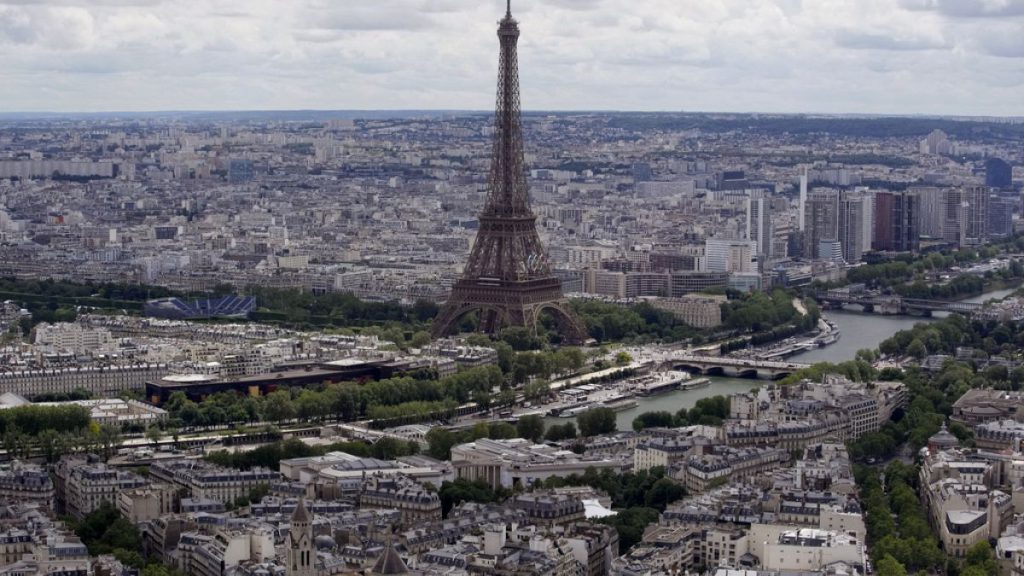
pixel 674 400
pixel 857 330
pixel 861 330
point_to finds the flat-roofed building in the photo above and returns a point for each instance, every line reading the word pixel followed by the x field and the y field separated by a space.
pixel 519 462
pixel 146 503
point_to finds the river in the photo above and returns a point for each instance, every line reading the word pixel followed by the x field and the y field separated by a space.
pixel 673 401
pixel 857 331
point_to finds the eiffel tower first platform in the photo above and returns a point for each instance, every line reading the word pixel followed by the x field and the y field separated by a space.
pixel 507 279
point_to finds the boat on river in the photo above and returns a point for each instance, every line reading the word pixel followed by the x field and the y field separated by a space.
pixel 659 382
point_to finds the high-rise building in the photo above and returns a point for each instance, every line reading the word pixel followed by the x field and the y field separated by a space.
pixel 932 211
pixel 508 280
pixel 724 255
pixel 760 229
pixel 998 173
pixel 1000 216
pixel 821 219
pixel 802 208
pixel 831 250
pixel 855 224
pixel 897 221
pixel 937 143
pixel 974 215
pixel 952 227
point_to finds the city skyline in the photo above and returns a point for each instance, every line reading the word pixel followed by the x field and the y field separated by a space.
pixel 935 57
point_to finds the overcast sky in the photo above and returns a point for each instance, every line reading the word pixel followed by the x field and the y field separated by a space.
pixel 872 56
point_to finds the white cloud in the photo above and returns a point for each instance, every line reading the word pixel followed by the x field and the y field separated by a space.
pixel 887 56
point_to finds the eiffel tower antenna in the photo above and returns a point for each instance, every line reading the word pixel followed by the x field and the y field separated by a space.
pixel 507 279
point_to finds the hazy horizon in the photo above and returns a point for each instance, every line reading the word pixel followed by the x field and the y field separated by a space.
pixel 354 113
pixel 870 57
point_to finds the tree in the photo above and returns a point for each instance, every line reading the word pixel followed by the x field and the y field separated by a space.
pixel 440 441
pixel 506 397
pixel 653 420
pixel 389 449
pixel 51 444
pixel 506 355
pixel 866 354
pixel 630 525
pixel 420 339
pixel 917 349
pixel 889 566
pixel 536 390
pixel 664 492
pixel 154 434
pixel 981 559
pixel 482 398
pixel 501 431
pixel 596 421
pixel 559 432
pixel 278 406
pixel 310 405
pixel 530 427
pixel 623 358
pixel 105 530
pixel 573 358
pixel 109 439
pixel 463 490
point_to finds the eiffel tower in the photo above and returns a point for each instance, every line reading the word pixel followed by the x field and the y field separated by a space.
pixel 508 279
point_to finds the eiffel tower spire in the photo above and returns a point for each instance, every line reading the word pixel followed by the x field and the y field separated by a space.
pixel 507 278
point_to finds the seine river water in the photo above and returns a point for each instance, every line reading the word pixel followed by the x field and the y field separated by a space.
pixel 857 331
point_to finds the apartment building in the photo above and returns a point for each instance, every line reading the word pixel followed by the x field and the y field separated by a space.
pixel 415 503
pixel 208 481
pixel 697 310
pixel 83 484
pixel 103 381
pixel 24 482
pixel 147 503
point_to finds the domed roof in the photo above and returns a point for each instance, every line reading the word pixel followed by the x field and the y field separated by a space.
pixel 324 542
pixel 943 439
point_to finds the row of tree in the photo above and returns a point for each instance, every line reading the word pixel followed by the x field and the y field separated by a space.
pixel 906 268
pixel 710 411
pixel 270 455
pixel 345 401
pixel 638 323
pixel 901 538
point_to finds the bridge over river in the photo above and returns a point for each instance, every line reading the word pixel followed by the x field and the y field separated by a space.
pixel 728 366
pixel 894 304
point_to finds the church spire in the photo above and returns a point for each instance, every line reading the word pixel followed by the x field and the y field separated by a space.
pixel 300 553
